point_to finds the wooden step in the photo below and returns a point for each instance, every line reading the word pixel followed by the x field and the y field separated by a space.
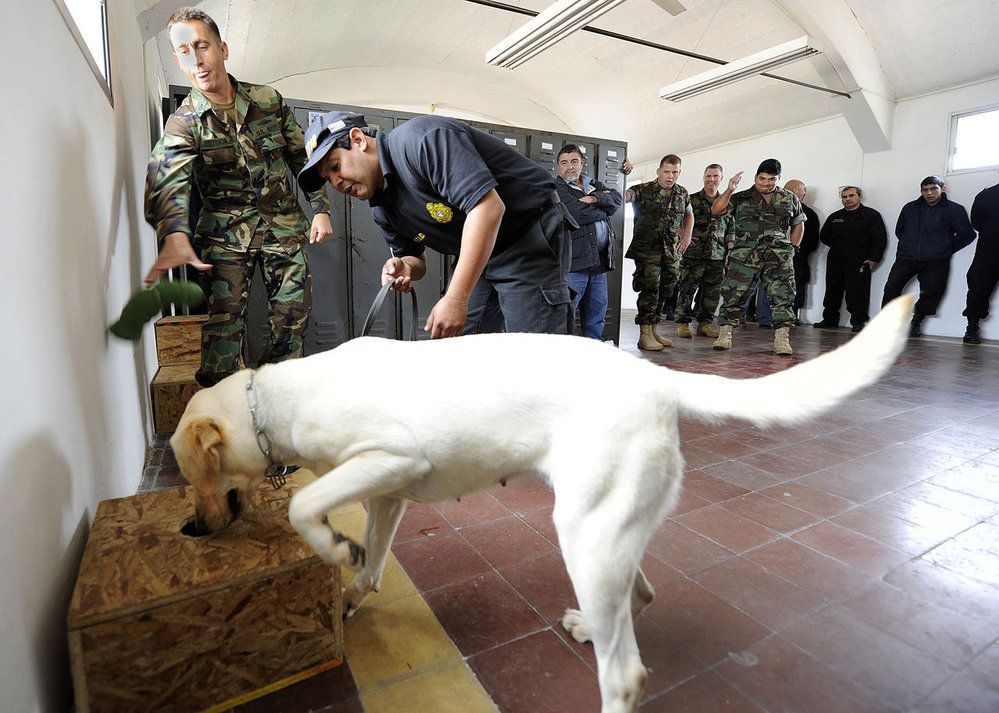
pixel 172 387
pixel 178 339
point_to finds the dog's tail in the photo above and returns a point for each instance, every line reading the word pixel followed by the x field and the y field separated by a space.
pixel 805 390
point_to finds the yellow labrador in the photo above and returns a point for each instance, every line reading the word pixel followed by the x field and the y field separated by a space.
pixel 392 422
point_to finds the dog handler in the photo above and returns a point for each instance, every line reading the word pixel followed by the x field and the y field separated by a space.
pixel 437 182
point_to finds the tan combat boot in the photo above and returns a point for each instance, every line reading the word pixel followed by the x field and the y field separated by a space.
pixel 647 339
pixel 724 340
pixel 707 330
pixel 660 338
pixel 683 331
pixel 782 344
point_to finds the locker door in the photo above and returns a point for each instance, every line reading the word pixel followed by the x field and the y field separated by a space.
pixel 369 251
pixel 609 157
pixel 329 323
pixel 513 139
pixel 543 149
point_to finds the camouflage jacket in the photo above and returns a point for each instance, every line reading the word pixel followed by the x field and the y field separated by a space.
pixel 756 222
pixel 711 233
pixel 241 178
pixel 658 217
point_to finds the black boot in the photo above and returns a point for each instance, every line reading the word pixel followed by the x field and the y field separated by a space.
pixel 916 326
pixel 971 334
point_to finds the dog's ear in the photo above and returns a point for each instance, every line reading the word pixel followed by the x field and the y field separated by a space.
pixel 197 451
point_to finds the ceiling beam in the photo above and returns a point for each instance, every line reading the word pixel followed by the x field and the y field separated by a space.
pixel 154 20
pixel 870 110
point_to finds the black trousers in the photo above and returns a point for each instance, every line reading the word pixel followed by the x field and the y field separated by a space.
pixel 983 275
pixel 802 276
pixel 932 276
pixel 855 281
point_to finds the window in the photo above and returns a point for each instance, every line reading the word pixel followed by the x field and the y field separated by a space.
pixel 974 141
pixel 87 20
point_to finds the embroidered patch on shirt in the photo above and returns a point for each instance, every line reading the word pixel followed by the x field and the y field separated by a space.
pixel 440 212
pixel 420 237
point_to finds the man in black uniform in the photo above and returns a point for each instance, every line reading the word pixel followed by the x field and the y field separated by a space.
pixel 857 239
pixel 809 244
pixel 440 183
pixel 984 271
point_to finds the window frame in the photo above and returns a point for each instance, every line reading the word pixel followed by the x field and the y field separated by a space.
pixel 955 117
pixel 102 81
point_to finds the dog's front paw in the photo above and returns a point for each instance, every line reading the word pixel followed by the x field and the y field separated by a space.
pixel 352 598
pixel 348 553
pixel 573 622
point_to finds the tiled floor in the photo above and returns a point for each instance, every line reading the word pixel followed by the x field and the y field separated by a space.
pixel 847 565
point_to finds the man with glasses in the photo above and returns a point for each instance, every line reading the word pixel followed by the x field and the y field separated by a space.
pixel 930 230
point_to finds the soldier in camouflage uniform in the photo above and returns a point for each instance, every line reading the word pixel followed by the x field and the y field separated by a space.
pixel 703 265
pixel 236 142
pixel 767 228
pixel 663 223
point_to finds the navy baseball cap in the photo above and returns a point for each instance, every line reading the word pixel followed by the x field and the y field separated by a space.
pixel 319 139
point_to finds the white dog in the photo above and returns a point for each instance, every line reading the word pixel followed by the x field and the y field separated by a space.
pixel 394 421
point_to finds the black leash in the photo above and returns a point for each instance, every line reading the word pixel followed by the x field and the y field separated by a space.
pixel 376 307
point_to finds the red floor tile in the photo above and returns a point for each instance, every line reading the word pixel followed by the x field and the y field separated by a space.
pixel 704 693
pixel 524 495
pixel 803 497
pixel 537 674
pixel 686 550
pixel 433 562
pixel 482 612
pixel 507 542
pixel 472 509
pixel 809 569
pixel 710 488
pixel 727 528
pixel 770 513
pixel 852 548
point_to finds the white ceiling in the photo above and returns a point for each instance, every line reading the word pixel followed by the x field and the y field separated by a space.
pixel 415 54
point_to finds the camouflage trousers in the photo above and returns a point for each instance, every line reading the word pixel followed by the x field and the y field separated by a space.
pixel 289 295
pixel 651 278
pixel 702 278
pixel 775 268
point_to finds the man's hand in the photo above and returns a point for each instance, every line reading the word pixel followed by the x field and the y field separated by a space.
pixel 733 182
pixel 176 251
pixel 447 318
pixel 626 167
pixel 870 265
pixel 396 271
pixel 588 199
pixel 684 243
pixel 321 228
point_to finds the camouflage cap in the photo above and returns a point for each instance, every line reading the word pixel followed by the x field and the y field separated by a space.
pixel 319 139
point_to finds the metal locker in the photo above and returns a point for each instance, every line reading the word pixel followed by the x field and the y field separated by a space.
pixel 513 139
pixel 543 149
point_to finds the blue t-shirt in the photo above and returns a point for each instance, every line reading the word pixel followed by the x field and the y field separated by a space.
pixel 436 170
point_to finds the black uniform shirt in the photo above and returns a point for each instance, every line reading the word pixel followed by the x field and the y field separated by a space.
pixel 854 236
pixel 436 170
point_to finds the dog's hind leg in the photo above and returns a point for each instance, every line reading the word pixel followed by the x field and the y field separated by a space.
pixel 605 579
pixel 367 475
pixel 384 514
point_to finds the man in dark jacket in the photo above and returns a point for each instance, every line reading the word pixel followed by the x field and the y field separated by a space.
pixel 930 230
pixel 984 271
pixel 591 204
pixel 809 244
pixel 857 239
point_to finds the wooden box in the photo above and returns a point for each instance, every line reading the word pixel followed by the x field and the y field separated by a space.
pixel 163 621
pixel 171 389
pixel 178 339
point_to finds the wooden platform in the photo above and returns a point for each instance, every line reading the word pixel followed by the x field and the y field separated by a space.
pixel 178 339
pixel 160 620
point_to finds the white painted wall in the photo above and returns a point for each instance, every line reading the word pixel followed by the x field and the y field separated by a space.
pixel 74 403
pixel 825 155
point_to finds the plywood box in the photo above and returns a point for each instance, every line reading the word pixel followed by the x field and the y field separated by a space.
pixel 178 339
pixel 172 387
pixel 163 621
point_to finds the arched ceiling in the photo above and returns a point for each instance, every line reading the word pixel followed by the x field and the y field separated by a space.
pixel 428 55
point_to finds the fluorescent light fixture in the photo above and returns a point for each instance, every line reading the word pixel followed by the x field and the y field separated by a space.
pixel 551 25
pixel 739 69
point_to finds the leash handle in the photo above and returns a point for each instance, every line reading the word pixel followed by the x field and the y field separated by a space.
pixel 376 307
